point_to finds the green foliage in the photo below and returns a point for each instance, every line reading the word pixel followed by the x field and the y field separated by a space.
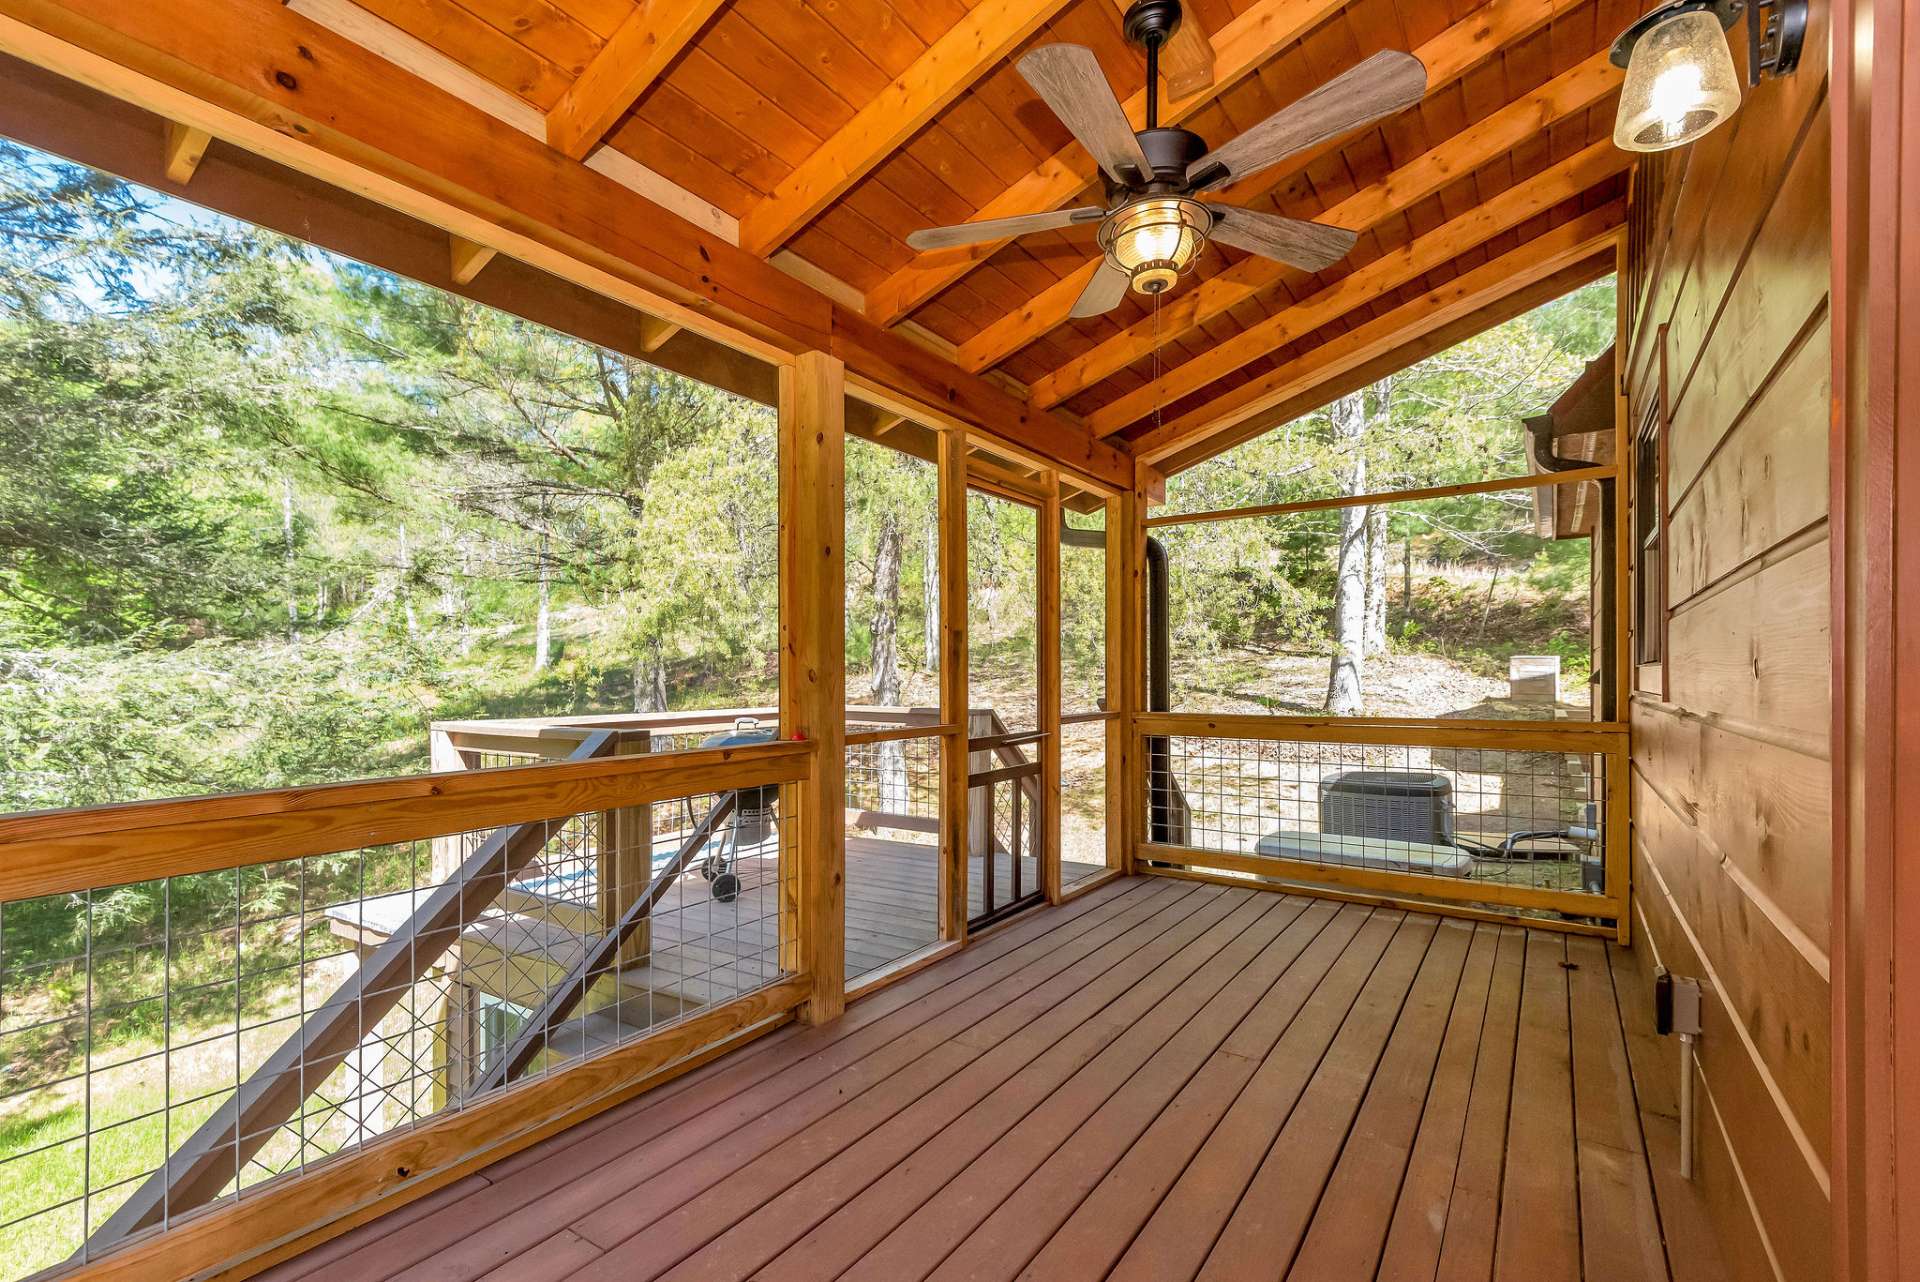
pixel 1245 588
pixel 266 513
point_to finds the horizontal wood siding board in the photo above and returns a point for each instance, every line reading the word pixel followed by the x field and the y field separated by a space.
pixel 1766 482
pixel 1789 1205
pixel 1778 995
pixel 1759 649
pixel 1769 304
pixel 1762 809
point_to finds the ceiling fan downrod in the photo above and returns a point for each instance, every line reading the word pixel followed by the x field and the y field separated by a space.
pixel 1150 24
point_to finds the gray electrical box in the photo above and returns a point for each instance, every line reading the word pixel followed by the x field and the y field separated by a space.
pixel 1676 1004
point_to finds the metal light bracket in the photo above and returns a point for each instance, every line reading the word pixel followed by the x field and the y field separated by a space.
pixel 1776 30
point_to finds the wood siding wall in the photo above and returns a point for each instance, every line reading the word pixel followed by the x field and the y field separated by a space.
pixel 1728 281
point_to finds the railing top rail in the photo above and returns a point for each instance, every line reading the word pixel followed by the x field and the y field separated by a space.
pixel 561 728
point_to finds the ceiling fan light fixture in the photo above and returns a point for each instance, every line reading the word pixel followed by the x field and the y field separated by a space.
pixel 1155 240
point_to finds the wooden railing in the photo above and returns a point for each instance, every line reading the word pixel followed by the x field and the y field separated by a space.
pixel 489 830
pixel 1540 833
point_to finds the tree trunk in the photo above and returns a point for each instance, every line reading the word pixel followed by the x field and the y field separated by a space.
pixel 930 597
pixel 543 617
pixel 286 531
pixel 650 679
pixel 1406 578
pixel 886 656
pixel 1344 684
pixel 405 586
pixel 1377 579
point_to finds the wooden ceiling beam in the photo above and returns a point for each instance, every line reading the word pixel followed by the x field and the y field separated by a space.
pixel 1390 271
pixel 1592 236
pixel 634 57
pixel 1238 49
pixel 1447 57
pixel 262 77
pixel 948 68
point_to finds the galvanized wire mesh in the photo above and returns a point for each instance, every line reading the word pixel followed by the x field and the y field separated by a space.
pixel 130 1015
pixel 1506 816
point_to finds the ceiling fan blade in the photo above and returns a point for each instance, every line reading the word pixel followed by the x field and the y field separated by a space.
pixel 1311 247
pixel 1389 81
pixel 1103 293
pixel 1069 79
pixel 1001 228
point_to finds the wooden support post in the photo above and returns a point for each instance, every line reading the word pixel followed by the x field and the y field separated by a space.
pixel 1131 612
pixel 185 148
pixel 625 865
pixel 813 637
pixel 953 684
pixel 1047 564
pixel 1618 809
pixel 1118 727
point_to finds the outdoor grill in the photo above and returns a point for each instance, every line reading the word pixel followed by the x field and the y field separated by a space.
pixel 752 820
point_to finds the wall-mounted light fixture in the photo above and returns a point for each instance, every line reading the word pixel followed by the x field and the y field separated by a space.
pixel 1680 78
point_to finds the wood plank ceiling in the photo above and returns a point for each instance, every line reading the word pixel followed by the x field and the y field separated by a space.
pixel 827 130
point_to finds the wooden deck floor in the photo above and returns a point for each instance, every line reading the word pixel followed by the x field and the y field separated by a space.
pixel 1159 1080
pixel 706 950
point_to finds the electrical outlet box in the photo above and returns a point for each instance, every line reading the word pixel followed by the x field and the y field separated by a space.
pixel 1676 1004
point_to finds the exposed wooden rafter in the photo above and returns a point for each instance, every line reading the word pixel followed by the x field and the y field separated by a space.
pixel 268 79
pixel 948 67
pixel 377 36
pixel 1447 57
pixel 1479 144
pixel 1239 49
pixel 1590 237
pixel 625 68
pixel 1390 271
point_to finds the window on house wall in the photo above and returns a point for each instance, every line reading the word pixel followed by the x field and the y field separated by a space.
pixel 1649 531
pixel 268 514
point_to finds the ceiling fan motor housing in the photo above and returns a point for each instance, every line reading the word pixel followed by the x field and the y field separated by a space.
pixel 1169 152
pixel 1151 21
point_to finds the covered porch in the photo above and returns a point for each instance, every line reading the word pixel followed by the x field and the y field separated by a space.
pixel 1161 1080
pixel 1030 759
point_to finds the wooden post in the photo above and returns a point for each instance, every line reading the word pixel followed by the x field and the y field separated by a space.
pixel 1130 611
pixel 1047 564
pixel 813 638
pixel 1118 729
pixel 625 865
pixel 953 684
pixel 1618 809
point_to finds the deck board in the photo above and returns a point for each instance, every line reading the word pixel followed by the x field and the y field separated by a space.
pixel 1162 1080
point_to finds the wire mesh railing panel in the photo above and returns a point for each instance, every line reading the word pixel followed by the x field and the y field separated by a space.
pixel 1083 801
pixel 893 851
pixel 1523 826
pixel 169 1042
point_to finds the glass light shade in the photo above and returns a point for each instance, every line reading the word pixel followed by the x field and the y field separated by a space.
pixel 1154 240
pixel 1680 83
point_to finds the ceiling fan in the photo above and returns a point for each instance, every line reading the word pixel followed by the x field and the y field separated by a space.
pixel 1152 226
